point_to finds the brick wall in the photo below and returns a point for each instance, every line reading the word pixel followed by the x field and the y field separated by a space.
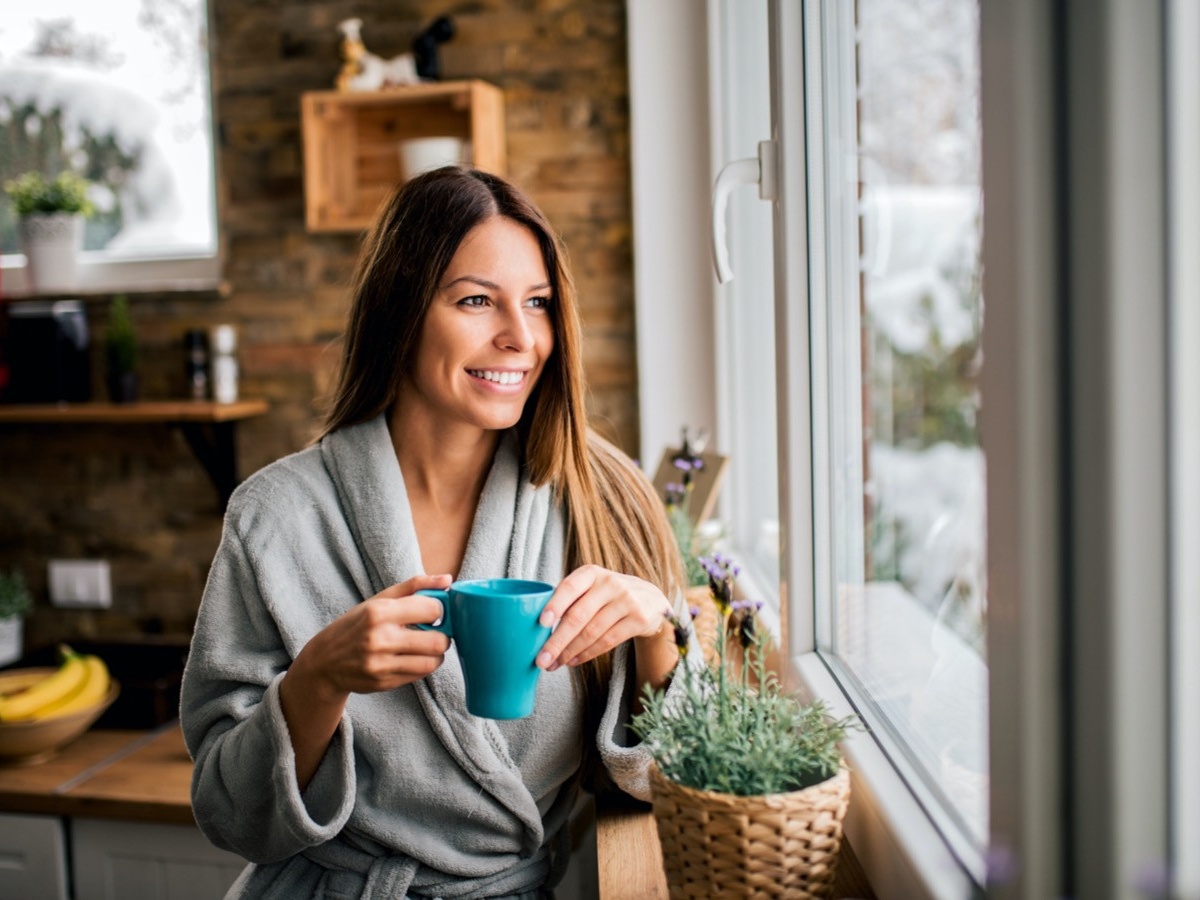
pixel 134 494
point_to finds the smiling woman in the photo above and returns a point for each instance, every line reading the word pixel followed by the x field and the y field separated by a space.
pixel 456 448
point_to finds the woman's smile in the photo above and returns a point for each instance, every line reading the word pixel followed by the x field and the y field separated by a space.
pixel 500 378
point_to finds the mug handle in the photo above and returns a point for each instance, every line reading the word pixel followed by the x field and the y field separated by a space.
pixel 444 625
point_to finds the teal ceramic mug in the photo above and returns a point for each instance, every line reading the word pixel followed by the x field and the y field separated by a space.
pixel 494 625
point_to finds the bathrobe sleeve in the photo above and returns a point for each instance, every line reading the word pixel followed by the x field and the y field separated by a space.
pixel 245 794
pixel 624 755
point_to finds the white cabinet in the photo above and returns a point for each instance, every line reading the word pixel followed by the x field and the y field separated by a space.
pixel 33 859
pixel 139 861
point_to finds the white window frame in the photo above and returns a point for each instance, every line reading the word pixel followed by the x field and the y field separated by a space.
pixel 1183 111
pixel 100 275
pixel 1022 439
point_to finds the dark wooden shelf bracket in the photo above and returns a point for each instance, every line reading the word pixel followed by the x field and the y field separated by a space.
pixel 215 446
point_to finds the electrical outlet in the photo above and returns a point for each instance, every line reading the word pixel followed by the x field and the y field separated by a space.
pixel 80 583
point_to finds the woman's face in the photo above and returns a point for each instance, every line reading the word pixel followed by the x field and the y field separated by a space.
pixel 488 332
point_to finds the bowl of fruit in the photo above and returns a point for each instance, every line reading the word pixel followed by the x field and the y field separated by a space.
pixel 44 708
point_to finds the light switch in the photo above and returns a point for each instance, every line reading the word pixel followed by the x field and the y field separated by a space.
pixel 80 583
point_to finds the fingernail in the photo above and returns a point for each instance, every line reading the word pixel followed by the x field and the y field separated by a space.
pixel 573 661
pixel 543 659
pixel 547 619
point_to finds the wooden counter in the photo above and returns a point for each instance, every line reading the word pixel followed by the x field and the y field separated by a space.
pixel 629 856
pixel 131 775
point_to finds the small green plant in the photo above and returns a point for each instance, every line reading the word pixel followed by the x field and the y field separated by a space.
pixel 15 599
pixel 121 338
pixel 33 193
pixel 733 728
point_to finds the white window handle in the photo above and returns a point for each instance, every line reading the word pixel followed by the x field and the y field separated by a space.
pixel 758 170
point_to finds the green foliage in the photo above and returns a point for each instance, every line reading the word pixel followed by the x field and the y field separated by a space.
pixel 32 140
pixel 34 193
pixel 738 735
pixel 690 545
pixel 924 397
pixel 121 337
pixel 15 598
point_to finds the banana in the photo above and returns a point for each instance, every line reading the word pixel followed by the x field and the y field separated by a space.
pixel 20 679
pixel 66 680
pixel 91 692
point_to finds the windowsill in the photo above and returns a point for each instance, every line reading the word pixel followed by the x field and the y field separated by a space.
pixel 903 854
pixel 98 275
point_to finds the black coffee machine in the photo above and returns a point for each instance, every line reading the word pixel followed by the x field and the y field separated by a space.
pixel 47 352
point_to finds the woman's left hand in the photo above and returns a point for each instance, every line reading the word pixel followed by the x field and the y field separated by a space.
pixel 597 609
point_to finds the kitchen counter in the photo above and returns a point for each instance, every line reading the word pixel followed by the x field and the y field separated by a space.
pixel 141 776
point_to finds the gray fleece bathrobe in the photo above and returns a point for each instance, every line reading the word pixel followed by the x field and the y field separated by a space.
pixel 414 796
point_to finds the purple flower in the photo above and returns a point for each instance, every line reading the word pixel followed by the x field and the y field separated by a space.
pixel 686 463
pixel 682 631
pixel 676 494
pixel 721 574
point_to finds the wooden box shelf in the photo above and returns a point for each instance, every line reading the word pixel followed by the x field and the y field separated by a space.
pixel 351 142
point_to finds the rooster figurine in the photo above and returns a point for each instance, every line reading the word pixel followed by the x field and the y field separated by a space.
pixel 363 70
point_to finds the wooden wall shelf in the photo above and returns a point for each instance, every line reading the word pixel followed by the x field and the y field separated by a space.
pixel 208 427
pixel 147 411
pixel 352 138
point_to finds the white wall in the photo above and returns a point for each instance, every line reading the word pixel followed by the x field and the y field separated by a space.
pixel 668 98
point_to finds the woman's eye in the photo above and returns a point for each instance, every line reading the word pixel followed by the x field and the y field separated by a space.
pixel 538 302
pixel 473 302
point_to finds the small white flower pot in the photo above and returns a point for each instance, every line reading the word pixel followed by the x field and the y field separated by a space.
pixel 52 242
pixel 12 644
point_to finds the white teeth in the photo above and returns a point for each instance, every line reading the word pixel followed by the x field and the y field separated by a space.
pixel 498 377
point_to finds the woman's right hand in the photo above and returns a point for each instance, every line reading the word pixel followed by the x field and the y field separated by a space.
pixel 368 649
pixel 372 648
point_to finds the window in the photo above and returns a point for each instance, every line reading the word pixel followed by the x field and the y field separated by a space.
pixel 1090 414
pixel 894 140
pixel 870 312
pixel 119 93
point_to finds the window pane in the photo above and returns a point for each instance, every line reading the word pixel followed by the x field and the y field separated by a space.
pixel 904 317
pixel 118 92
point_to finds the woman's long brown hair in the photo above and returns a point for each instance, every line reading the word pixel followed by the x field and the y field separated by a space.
pixel 614 517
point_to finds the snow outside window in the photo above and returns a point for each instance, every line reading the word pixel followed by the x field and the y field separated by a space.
pixel 119 93
pixel 894 141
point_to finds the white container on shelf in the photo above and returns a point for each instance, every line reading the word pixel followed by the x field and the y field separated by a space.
pixel 419 155
pixel 222 344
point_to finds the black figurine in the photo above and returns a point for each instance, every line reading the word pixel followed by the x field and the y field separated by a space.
pixel 425 47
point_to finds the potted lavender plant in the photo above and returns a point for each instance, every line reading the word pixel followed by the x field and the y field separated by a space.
pixel 749 788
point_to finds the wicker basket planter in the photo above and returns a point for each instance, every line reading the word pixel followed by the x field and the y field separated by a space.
pixel 779 845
